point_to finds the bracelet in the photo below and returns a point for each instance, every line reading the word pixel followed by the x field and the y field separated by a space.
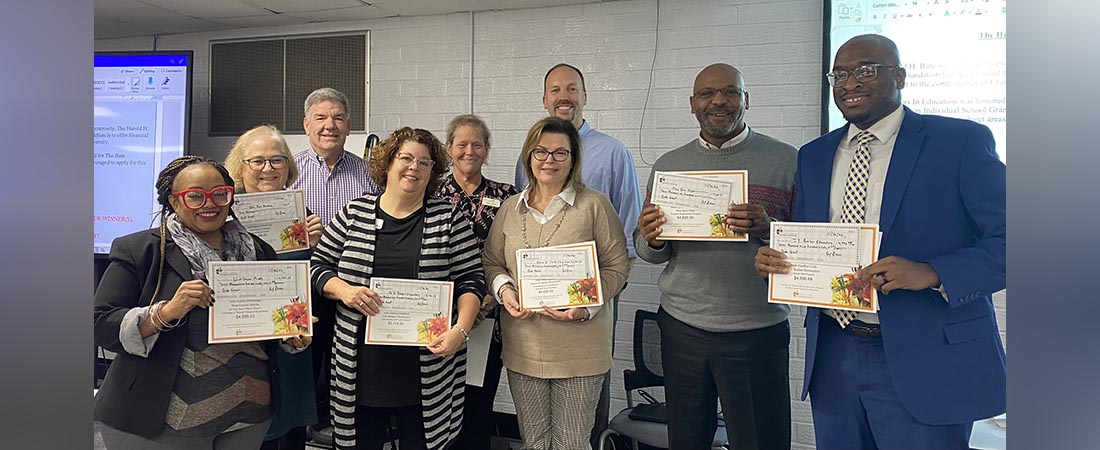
pixel 157 328
pixel 465 335
pixel 165 325
pixel 508 285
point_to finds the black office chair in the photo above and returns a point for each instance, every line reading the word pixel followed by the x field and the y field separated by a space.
pixel 649 426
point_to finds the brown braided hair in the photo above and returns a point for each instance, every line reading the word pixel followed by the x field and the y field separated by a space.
pixel 165 180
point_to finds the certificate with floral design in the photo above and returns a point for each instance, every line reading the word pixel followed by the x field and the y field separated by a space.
pixel 695 203
pixel 413 312
pixel 563 276
pixel 824 259
pixel 279 218
pixel 259 300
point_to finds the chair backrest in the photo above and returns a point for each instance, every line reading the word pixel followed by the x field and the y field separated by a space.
pixel 647 345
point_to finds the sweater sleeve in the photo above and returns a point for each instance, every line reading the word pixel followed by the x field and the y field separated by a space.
pixel 326 256
pixel 465 261
pixel 610 248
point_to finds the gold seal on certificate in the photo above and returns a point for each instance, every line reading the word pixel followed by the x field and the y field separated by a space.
pixel 824 258
pixel 695 203
pixel 413 312
pixel 563 276
pixel 259 300
pixel 279 218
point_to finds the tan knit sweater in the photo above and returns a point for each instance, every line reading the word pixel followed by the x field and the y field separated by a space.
pixel 540 346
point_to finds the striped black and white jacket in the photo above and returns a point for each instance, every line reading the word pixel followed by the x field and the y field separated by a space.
pixel 449 252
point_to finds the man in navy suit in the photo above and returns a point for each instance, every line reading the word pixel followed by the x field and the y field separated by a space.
pixel 917 374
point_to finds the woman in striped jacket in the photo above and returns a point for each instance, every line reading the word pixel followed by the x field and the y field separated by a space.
pixel 401 233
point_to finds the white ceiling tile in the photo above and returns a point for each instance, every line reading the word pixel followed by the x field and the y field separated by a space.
pixel 115 18
pixel 209 9
pixel 266 20
pixel 342 14
pixel 291 6
pixel 124 10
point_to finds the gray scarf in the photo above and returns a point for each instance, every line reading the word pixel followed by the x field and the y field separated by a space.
pixel 237 245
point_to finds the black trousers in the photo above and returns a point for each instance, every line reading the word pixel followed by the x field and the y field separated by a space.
pixel 746 370
pixel 325 310
pixel 603 407
pixel 371 424
pixel 294 439
pixel 477 414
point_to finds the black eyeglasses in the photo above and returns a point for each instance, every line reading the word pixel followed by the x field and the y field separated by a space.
pixel 728 92
pixel 559 155
pixel 862 74
pixel 277 162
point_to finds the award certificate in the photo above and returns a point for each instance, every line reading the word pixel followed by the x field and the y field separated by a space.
pixel 259 300
pixel 563 276
pixel 279 218
pixel 414 312
pixel 824 258
pixel 695 203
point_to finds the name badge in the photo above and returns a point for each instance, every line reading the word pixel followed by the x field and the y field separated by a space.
pixel 490 202
pixel 378 222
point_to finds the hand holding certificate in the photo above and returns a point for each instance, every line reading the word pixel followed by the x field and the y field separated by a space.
pixel 279 218
pixel 413 312
pixel 824 259
pixel 564 276
pixel 259 300
pixel 695 203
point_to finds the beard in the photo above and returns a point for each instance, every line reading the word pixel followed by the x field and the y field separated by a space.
pixel 572 110
pixel 720 132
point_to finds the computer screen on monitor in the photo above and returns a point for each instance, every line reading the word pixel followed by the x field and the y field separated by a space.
pixel 142 117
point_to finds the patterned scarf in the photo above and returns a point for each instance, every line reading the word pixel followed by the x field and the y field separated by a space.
pixel 237 245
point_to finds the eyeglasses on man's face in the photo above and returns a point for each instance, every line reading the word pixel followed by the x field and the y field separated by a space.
pixel 196 198
pixel 728 92
pixel 408 160
pixel 559 155
pixel 862 74
pixel 277 162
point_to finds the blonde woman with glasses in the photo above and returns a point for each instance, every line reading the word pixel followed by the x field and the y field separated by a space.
pixel 556 359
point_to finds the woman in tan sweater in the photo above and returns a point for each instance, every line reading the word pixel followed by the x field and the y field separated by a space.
pixel 556 359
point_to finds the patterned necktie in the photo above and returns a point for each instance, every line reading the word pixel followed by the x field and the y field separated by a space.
pixel 855 199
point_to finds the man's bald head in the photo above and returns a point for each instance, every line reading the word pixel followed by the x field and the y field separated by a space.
pixel 719 102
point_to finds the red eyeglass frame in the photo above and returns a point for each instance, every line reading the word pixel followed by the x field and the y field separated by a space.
pixel 208 196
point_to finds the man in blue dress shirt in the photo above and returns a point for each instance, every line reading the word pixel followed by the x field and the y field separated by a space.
pixel 608 168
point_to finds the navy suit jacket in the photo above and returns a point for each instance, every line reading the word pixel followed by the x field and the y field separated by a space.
pixel 943 203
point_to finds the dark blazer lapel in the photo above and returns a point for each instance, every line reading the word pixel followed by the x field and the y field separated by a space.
pixel 907 148
pixel 821 178
pixel 175 258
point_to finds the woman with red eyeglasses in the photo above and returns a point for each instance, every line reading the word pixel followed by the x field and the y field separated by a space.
pixel 167 388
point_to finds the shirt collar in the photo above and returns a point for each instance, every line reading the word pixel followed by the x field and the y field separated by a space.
pixel 567 195
pixel 585 128
pixel 737 139
pixel 313 156
pixel 884 130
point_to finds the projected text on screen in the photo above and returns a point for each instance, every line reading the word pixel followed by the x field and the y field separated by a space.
pixel 953 52
pixel 140 125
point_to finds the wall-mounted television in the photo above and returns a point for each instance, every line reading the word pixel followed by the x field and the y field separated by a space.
pixel 142 122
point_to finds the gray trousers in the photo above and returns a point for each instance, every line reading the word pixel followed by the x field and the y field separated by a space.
pixel 555 413
pixel 244 439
